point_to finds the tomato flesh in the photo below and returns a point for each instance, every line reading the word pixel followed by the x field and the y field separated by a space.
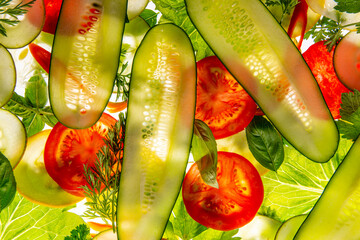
pixel 320 61
pixel 221 102
pixel 232 205
pixel 68 150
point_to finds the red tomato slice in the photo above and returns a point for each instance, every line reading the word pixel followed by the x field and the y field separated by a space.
pixel 52 9
pixel 320 61
pixel 221 102
pixel 68 150
pixel 236 201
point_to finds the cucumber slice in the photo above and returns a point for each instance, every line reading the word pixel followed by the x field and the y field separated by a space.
pixel 261 56
pixel 12 137
pixel 106 235
pixel 135 7
pixel 289 228
pixel 336 215
pixel 159 129
pixel 85 59
pixel 7 76
pixel 29 26
pixel 347 60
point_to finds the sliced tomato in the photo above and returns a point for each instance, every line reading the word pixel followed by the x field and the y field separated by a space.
pixel 320 61
pixel 52 9
pixel 232 205
pixel 221 101
pixel 68 150
pixel 41 55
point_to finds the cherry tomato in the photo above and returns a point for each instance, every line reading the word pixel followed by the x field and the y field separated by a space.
pixel 68 150
pixel 221 101
pixel 32 179
pixel 41 55
pixel 320 61
pixel 236 201
pixel 52 9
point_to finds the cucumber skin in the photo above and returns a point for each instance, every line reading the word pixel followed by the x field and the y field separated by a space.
pixel 314 133
pixel 336 214
pixel 167 167
pixel 100 53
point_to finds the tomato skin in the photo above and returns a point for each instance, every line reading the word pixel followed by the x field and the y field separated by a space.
pixel 68 150
pixel 41 55
pixel 221 102
pixel 236 201
pixel 320 62
pixel 52 8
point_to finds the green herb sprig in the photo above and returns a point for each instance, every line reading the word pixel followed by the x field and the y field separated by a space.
pixel 10 15
pixel 103 178
pixel 286 5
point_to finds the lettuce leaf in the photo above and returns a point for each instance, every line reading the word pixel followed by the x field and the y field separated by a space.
pixel 299 182
pixel 175 11
pixel 23 219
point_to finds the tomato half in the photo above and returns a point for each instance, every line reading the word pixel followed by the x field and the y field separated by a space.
pixel 236 201
pixel 68 150
pixel 320 61
pixel 221 101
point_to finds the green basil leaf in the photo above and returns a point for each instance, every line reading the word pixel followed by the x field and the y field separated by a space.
pixel 265 143
pixel 36 91
pixel 7 182
pixel 33 124
pixel 204 151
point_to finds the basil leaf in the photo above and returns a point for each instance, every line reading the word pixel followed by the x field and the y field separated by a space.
pixel 33 124
pixel 36 91
pixel 204 152
pixel 265 143
pixel 7 182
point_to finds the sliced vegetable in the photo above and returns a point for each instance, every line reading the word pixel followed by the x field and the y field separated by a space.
pixel 33 181
pixel 7 76
pixel 232 205
pixel 261 56
pixel 12 137
pixel 84 59
pixel 68 150
pixel 28 27
pixel 41 55
pixel 135 7
pixel 336 214
pixel 159 127
pixel 52 9
pixel 347 60
pixel 320 61
pixel 220 101
pixel 289 228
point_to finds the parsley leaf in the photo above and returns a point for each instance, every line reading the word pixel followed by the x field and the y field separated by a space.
pixel 286 6
pixel 349 124
pixel 81 232
pixel 349 6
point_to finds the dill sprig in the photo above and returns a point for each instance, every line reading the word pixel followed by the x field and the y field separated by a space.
pixel 9 15
pixel 122 82
pixel 104 177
